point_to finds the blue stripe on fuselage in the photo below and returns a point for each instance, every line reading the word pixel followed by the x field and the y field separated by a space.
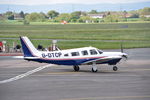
pixel 75 61
pixel 64 62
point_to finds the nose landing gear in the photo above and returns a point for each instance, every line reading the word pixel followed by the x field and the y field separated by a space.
pixel 94 67
pixel 94 70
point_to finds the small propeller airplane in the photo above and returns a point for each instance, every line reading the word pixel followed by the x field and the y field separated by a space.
pixel 71 57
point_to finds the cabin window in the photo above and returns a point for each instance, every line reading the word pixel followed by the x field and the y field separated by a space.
pixel 93 52
pixel 66 55
pixel 75 53
pixel 84 52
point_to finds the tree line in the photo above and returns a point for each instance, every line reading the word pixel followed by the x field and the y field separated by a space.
pixel 78 16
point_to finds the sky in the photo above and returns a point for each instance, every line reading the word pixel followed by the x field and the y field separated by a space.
pixel 42 2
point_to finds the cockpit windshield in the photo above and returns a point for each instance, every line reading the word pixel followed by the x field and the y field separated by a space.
pixel 99 51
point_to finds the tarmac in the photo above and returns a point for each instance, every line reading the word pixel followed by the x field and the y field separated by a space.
pixel 23 80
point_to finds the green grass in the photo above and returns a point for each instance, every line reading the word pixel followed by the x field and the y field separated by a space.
pixel 134 34
pixel 11 22
pixel 134 31
pixel 78 44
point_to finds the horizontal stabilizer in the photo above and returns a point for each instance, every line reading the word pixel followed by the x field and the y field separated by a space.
pixel 18 57
pixel 31 58
pixel 22 57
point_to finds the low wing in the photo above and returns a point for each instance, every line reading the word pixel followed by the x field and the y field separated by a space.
pixel 101 60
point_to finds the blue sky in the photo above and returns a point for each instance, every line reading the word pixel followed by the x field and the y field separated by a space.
pixel 42 2
pixel 67 6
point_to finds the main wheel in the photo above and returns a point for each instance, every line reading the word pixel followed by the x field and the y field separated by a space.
pixel 115 68
pixel 76 68
pixel 94 70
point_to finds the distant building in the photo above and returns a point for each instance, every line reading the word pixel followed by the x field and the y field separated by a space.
pixel 18 17
pixel 147 16
pixel 96 15
pixel 2 17
pixel 88 21
pixel 64 22
pixel 128 15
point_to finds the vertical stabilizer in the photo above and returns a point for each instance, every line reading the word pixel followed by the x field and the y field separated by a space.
pixel 28 48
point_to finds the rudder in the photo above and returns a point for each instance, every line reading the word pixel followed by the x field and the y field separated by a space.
pixel 28 49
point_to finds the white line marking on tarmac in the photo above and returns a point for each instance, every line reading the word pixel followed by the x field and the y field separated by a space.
pixel 25 74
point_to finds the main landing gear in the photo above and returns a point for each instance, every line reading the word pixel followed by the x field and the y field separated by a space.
pixel 115 68
pixel 76 68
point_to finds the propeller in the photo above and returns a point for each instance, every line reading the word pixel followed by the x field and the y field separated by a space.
pixel 124 56
pixel 121 46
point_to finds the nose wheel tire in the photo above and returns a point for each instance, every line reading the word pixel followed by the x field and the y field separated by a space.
pixel 94 70
pixel 76 68
pixel 115 68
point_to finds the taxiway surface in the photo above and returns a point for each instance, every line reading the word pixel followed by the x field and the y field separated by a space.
pixel 130 82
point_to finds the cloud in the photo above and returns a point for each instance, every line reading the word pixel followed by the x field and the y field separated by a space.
pixel 41 2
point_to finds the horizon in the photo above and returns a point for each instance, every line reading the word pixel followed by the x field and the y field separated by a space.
pixel 68 7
